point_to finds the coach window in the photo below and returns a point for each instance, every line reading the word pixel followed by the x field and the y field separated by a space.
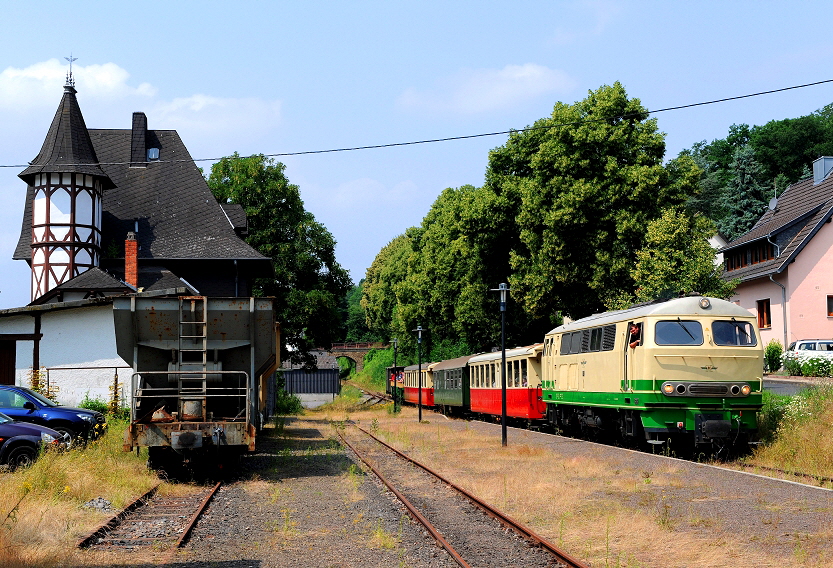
pixel 830 306
pixel 524 380
pixel 678 332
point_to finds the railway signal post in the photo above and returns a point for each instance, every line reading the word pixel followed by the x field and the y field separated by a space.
pixel 419 331
pixel 503 288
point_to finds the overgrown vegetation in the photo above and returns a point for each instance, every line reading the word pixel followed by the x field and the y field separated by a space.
pixel 796 431
pixel 41 507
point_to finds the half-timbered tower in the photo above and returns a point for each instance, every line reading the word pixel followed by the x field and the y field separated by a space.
pixel 65 196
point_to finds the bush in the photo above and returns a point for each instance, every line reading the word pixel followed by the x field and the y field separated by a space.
pixel 808 364
pixel 98 404
pixel 286 403
pixel 772 356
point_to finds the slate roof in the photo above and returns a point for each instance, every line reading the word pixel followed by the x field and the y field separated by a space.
pixel 67 147
pixel 177 216
pixel 236 217
pixel 94 279
pixel 797 217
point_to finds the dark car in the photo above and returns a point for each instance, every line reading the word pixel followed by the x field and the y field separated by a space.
pixel 26 405
pixel 20 442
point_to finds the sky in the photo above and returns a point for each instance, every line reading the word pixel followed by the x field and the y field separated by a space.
pixel 279 77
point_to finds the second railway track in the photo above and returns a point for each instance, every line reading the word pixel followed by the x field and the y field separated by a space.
pixel 151 521
pixel 474 533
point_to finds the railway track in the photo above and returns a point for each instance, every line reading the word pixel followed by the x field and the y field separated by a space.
pixel 151 521
pixel 455 517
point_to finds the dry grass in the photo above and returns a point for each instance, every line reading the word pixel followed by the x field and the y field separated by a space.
pixel 41 514
pixel 803 441
pixel 606 517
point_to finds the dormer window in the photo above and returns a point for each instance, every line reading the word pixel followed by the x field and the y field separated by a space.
pixel 153 154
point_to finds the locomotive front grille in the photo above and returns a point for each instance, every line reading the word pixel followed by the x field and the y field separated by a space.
pixel 708 389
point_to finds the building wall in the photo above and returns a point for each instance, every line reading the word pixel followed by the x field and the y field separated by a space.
pixel 747 295
pixel 811 279
pixel 79 337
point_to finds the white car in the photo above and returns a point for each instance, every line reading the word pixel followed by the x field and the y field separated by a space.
pixel 809 347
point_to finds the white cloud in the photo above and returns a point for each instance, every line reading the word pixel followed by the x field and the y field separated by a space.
pixel 206 115
pixel 208 124
pixel 483 90
pixel 40 84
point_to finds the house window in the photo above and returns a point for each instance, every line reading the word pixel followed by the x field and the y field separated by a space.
pixel 764 317
pixel 830 306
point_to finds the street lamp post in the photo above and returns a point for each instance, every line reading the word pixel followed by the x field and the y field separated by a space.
pixel 419 331
pixel 503 288
pixel 395 375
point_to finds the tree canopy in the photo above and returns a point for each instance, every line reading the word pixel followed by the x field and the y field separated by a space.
pixel 566 208
pixel 587 182
pixel 308 283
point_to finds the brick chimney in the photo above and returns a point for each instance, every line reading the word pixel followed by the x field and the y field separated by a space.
pixel 131 260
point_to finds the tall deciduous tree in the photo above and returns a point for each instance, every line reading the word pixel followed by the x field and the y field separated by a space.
pixel 308 282
pixel 744 196
pixel 588 181
pixel 678 259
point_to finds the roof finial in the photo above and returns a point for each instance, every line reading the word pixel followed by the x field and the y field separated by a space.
pixel 70 80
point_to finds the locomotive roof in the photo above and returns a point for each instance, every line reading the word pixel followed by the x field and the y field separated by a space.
pixel 517 351
pixel 688 306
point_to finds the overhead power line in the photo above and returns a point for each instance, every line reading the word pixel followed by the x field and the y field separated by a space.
pixel 468 136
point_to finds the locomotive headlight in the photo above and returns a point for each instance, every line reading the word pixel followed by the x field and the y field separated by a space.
pixel 745 390
pixel 668 388
pixel 705 303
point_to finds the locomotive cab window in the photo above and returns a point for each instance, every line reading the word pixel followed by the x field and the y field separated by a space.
pixel 678 332
pixel 733 332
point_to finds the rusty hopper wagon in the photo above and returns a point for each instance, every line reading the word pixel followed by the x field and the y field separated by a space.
pixel 200 368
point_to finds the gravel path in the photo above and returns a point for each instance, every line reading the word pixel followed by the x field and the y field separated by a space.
pixel 479 539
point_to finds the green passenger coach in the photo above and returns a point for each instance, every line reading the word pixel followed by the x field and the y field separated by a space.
pixel 687 369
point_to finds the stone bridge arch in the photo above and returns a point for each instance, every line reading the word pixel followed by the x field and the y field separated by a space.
pixel 355 351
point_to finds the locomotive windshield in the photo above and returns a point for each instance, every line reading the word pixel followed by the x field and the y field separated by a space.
pixel 678 332
pixel 733 332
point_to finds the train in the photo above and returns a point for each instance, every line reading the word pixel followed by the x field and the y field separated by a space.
pixel 682 373
pixel 200 388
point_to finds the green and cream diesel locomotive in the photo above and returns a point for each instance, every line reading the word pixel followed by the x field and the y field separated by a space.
pixel 687 370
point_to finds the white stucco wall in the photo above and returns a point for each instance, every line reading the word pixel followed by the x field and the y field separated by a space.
pixel 78 337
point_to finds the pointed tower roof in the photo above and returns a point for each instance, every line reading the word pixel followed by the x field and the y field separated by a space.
pixel 67 147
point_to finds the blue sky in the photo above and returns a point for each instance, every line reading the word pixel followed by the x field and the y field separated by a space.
pixel 276 77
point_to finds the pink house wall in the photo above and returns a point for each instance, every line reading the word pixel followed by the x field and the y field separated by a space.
pixel 811 279
pixel 808 280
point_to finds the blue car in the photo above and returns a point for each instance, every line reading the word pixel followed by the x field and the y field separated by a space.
pixel 26 405
pixel 20 442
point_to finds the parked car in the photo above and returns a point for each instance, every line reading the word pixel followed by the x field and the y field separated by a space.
pixel 26 405
pixel 821 347
pixel 20 442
